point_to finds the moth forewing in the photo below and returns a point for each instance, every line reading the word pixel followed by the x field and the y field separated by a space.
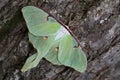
pixel 65 48
pixel 36 23
pixel 71 56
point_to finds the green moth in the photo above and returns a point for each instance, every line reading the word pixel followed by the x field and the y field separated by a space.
pixel 52 41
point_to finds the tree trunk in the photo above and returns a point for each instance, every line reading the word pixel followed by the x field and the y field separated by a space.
pixel 96 23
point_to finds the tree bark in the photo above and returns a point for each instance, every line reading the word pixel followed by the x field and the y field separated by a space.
pixel 96 23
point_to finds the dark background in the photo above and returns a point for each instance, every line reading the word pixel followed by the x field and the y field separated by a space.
pixel 96 23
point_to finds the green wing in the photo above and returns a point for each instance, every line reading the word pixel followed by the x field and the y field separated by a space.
pixel 79 60
pixel 70 56
pixel 42 46
pixel 52 55
pixel 65 48
pixel 37 23
pixel 29 63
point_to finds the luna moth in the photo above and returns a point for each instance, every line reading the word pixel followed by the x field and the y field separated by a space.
pixel 52 42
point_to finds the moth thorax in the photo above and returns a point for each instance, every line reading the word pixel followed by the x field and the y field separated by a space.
pixel 45 37
pixel 56 49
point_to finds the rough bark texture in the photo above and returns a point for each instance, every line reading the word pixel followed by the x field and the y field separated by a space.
pixel 95 22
